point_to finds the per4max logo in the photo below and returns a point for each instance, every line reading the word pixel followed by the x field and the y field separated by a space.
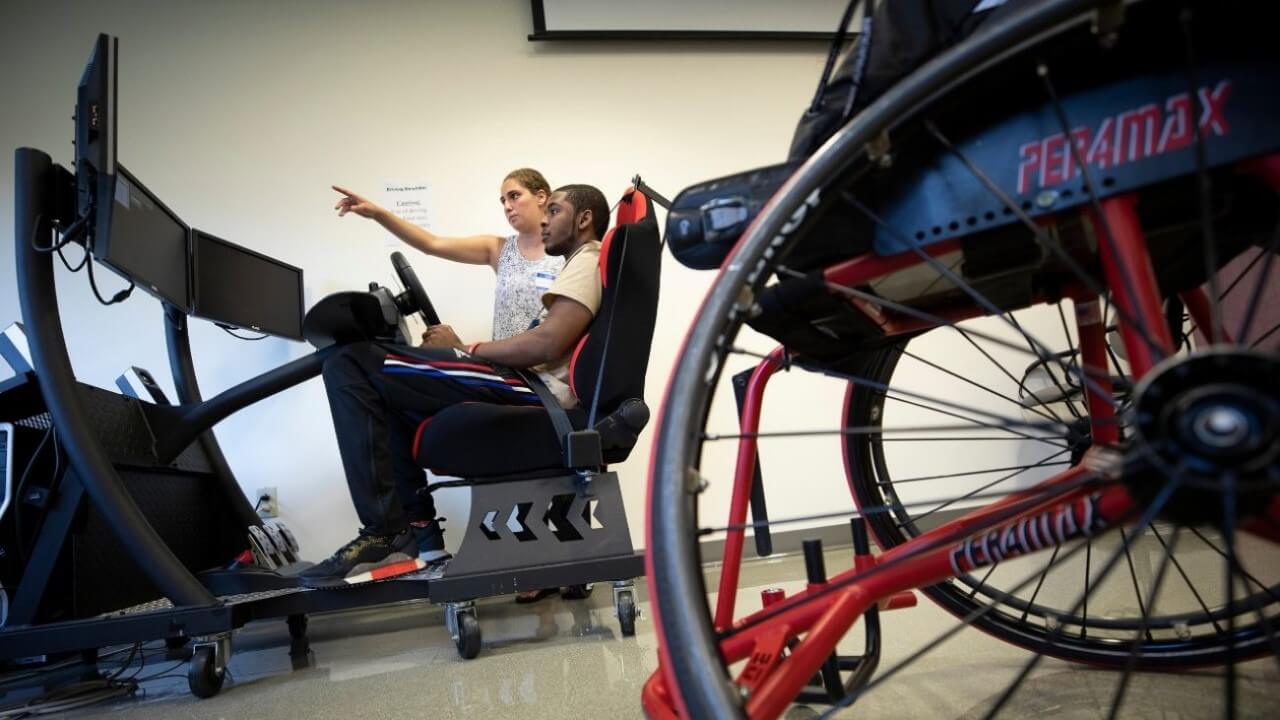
pixel 1144 132
pixel 1051 527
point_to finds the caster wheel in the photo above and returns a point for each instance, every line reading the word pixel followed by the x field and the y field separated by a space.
pixel 297 626
pixel 204 677
pixel 468 637
pixel 627 614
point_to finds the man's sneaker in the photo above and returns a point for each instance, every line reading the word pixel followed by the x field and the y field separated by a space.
pixel 430 537
pixel 367 558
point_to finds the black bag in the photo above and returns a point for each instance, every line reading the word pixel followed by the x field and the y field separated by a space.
pixel 897 39
pixel 706 220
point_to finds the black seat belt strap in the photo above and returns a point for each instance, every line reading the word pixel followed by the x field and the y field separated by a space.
pixel 559 418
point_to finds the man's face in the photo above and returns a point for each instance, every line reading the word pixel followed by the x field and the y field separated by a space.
pixel 559 225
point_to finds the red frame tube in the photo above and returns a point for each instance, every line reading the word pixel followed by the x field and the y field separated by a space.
pixel 1197 302
pixel 1093 362
pixel 1126 265
pixel 744 476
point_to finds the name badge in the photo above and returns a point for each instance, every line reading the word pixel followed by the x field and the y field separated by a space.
pixel 543 280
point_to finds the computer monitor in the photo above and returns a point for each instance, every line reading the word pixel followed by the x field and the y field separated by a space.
pixel 145 241
pixel 236 286
pixel 95 139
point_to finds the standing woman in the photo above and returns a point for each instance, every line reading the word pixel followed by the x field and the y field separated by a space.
pixel 524 270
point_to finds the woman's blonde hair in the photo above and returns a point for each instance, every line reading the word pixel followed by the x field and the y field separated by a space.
pixel 531 179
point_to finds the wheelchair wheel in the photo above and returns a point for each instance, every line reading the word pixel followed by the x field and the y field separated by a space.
pixel 1185 630
pixel 1185 433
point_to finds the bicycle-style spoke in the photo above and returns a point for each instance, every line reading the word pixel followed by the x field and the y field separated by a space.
pixel 1002 422
pixel 985 303
pixel 1003 596
pixel 1155 529
pixel 934 321
pixel 1088 561
pixel 1133 575
pixel 1066 336
pixel 987 486
pixel 1263 620
pixel 974 587
pixel 973 472
pixel 963 623
pixel 1036 593
pixel 1106 235
pixel 864 430
pixel 1255 298
pixel 1272 592
pixel 1043 495
pixel 1018 381
pixel 1148 516
pixel 979 423
pixel 1257 342
pixel 1135 651
pixel 1048 416
pixel 865 512
pixel 1229 537
pixel 1208 241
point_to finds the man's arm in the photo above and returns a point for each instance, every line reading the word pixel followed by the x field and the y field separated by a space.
pixel 566 322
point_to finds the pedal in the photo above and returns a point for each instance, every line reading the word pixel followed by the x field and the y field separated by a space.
pixel 289 539
pixel 286 553
pixel 264 549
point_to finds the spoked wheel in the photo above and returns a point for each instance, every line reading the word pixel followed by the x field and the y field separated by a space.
pixel 896 475
pixel 1117 490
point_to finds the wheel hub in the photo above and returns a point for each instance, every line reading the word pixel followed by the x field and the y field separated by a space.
pixel 1213 419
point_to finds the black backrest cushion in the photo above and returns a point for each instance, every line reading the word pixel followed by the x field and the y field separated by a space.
pixel 630 261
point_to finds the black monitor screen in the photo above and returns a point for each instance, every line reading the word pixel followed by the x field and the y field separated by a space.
pixel 236 286
pixel 146 241
pixel 95 143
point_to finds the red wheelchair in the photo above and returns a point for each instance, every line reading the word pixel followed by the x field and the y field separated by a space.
pixel 1042 267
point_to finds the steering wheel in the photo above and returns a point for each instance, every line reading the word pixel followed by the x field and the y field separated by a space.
pixel 417 300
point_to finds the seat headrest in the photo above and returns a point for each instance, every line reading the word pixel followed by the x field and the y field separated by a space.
pixel 634 207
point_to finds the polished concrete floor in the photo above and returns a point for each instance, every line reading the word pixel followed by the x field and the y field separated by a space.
pixel 561 658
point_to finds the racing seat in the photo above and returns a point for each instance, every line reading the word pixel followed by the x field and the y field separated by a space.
pixel 537 498
pixel 465 440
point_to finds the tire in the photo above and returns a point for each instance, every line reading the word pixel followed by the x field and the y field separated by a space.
pixel 204 678
pixel 627 613
pixel 469 640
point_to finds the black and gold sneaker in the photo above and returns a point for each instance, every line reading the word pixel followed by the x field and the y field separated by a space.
pixel 430 537
pixel 367 558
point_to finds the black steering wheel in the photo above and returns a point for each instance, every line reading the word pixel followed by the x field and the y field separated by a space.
pixel 417 300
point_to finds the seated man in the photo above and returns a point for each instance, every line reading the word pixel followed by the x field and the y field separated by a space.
pixel 379 393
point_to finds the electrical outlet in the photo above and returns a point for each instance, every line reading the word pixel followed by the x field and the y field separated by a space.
pixel 269 505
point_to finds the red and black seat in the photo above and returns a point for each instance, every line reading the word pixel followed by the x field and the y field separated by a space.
pixel 607 371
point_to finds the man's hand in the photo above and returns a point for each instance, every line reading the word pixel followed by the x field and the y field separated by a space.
pixel 441 336
pixel 352 202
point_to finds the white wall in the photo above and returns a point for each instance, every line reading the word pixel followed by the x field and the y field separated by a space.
pixel 241 114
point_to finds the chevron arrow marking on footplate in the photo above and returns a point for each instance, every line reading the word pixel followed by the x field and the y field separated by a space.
pixel 487 525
